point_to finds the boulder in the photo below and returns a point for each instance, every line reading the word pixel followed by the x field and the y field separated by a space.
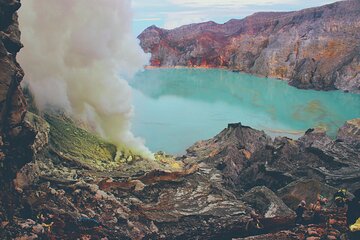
pixel 305 189
pixel 350 132
pixel 267 203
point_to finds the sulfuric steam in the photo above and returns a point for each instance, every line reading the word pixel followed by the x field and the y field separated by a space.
pixel 75 51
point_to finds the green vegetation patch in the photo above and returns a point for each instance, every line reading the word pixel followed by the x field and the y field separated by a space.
pixel 71 142
pixel 87 150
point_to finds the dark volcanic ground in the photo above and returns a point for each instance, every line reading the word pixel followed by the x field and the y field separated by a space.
pixel 223 180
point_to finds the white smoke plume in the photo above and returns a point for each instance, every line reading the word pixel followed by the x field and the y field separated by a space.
pixel 74 50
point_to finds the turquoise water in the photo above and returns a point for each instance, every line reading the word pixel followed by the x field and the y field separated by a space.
pixel 174 108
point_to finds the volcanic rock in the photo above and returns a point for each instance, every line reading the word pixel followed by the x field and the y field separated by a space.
pixel 276 163
pixel 267 203
pixel 305 189
pixel 350 132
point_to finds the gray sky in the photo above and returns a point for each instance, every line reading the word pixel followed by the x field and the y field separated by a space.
pixel 173 13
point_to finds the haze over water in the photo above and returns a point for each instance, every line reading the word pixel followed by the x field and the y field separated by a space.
pixel 174 108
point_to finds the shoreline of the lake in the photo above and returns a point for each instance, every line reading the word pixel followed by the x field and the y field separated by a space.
pixel 194 103
pixel 149 67
pixel 287 80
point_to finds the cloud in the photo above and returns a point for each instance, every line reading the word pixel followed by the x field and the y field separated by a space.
pixel 146 19
pixel 173 20
pixel 184 12
pixel 146 3
pixel 228 3
pixel 174 13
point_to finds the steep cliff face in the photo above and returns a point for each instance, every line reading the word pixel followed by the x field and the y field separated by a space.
pixel 16 134
pixel 315 48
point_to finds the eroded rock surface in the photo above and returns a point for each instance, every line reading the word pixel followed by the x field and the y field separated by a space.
pixel 266 201
pixel 221 183
pixel 314 48
pixel 350 133
pixel 247 157
pixel 305 189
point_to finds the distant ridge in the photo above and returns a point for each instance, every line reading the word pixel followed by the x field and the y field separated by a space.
pixel 317 48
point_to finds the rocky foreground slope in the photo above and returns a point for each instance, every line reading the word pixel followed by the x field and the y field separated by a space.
pixel 316 48
pixel 211 196
pixel 58 181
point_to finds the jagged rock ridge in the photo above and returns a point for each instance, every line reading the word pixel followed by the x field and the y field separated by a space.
pixel 248 157
pixel 316 48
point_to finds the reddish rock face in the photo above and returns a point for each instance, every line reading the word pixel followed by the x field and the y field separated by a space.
pixel 15 136
pixel 10 72
pixel 314 48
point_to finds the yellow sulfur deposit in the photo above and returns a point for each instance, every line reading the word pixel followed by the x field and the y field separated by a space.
pixel 356 226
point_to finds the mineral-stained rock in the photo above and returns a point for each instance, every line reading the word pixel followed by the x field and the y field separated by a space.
pixel 313 48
